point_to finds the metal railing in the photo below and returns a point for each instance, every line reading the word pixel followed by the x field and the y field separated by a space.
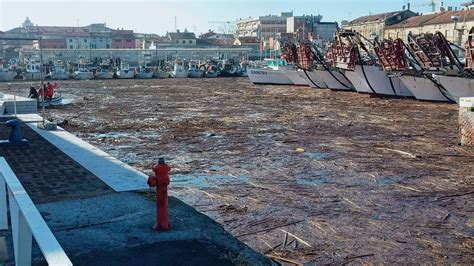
pixel 26 222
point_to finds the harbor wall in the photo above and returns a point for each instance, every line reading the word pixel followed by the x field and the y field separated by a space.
pixel 466 121
pixel 134 56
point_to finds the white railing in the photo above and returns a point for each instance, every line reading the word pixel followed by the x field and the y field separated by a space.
pixel 26 222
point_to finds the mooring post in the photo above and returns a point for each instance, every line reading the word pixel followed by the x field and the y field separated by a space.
pixel 466 121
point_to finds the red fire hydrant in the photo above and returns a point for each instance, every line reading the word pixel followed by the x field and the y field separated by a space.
pixel 161 180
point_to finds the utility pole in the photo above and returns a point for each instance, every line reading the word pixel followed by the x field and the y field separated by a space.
pixel 40 42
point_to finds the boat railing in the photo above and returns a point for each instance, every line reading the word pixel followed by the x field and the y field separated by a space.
pixel 26 222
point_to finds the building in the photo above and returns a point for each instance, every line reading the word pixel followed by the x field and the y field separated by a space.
pixel 468 5
pixel 146 41
pixel 123 39
pixel 374 25
pixel 27 23
pixel 217 38
pixel 301 24
pixel 76 38
pixel 264 27
pixel 325 30
pixel 182 38
pixel 453 24
pixel 100 36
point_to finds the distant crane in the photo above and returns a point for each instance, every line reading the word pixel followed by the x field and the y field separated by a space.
pixel 433 4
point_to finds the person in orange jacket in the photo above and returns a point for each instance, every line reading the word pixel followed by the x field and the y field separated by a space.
pixel 50 88
pixel 161 180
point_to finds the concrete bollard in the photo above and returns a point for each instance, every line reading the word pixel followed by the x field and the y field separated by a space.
pixel 466 121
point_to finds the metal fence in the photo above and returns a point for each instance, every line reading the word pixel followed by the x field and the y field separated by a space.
pixel 26 222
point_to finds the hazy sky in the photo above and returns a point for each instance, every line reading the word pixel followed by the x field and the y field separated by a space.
pixel 157 16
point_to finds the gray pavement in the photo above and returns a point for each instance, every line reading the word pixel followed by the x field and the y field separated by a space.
pixel 116 229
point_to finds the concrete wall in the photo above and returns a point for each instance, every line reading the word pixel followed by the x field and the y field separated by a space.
pixel 466 121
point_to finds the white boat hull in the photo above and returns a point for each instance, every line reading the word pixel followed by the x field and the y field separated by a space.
pixel 179 73
pixel 380 82
pixel 105 75
pixel 82 75
pixel 268 76
pixel 7 75
pixel 195 74
pixel 126 74
pixel 145 75
pixel 424 89
pixel 59 76
pixel 457 86
pixel 295 77
pixel 313 78
pixel 336 81
pixel 32 76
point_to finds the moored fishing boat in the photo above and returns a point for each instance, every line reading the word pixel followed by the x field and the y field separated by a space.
pixel 125 72
pixel 210 71
pixel 59 72
pixel 364 71
pixel 179 70
pixel 313 67
pixel 104 73
pixel 32 71
pixel 270 74
pixel 6 74
pixel 194 71
pixel 82 72
pixel 145 72
pixel 461 84
pixel 161 74
pixel 430 56
pixel 228 68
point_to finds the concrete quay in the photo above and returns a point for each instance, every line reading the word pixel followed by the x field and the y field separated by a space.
pixel 101 212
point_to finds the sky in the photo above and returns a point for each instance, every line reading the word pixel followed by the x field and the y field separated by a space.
pixel 158 16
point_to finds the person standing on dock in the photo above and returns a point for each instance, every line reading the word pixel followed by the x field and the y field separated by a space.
pixel 161 180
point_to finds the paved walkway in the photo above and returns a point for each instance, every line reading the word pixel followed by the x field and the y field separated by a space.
pixel 47 173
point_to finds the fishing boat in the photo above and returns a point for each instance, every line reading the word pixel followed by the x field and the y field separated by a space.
pixel 457 87
pixel 82 72
pixel 313 68
pixel 32 71
pixel 104 72
pixel 6 74
pixel 431 61
pixel 59 72
pixel 270 74
pixel 179 70
pixel 228 68
pixel 56 100
pixel 194 70
pixel 145 72
pixel 242 71
pixel 367 76
pixel 210 71
pixel 125 72
pixel 161 73
pixel 459 83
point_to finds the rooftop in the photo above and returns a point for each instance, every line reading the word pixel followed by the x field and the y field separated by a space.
pixel 182 35
pixel 434 19
pixel 376 17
